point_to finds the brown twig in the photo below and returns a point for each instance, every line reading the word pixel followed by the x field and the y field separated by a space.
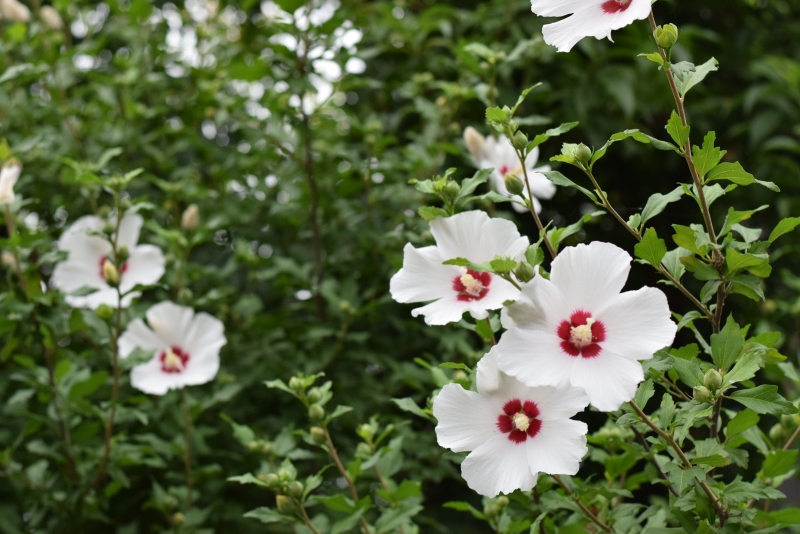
pixel 591 515
pixel 655 463
pixel 335 457
pixel 187 451
pixel 532 209
pixel 307 520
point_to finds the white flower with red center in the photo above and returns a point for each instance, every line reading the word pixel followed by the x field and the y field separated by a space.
pixel 186 348
pixel 86 254
pixel 499 154
pixel 513 432
pixel 588 18
pixel 455 290
pixel 578 328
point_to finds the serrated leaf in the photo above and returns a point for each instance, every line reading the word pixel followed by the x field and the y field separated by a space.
pixel 553 132
pixel 707 157
pixel 743 421
pixel 429 213
pixel 779 463
pixel 677 130
pixel 651 248
pixel 644 393
pixel 714 460
pixel 657 203
pixel 682 479
pixel 733 172
pixel 746 368
pixel 469 185
pixel 689 371
pixel 727 345
pixel 688 75
pixel 764 400
pixel 559 179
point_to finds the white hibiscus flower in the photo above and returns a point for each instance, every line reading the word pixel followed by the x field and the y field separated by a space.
pixel 514 432
pixel 499 154
pixel 87 253
pixel 588 18
pixel 186 348
pixel 472 235
pixel 577 328
pixel 8 178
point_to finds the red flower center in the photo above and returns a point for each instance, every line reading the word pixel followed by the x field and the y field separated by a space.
pixel 616 6
pixel 173 360
pixel 581 335
pixel 471 285
pixel 121 271
pixel 504 170
pixel 519 420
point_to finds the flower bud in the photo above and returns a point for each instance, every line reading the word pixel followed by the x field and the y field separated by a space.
pixel 178 519
pixel 110 273
pixel 474 141
pixel 583 154
pixel 666 36
pixel 316 412
pixel 170 503
pixel 296 489
pixel 123 254
pixel 286 505
pixel 365 431
pixel 460 376
pixel 190 219
pixel 51 18
pixel 104 311
pixel 513 184
pixel 712 379
pixel 701 394
pixel 491 510
pixel 363 450
pixel 789 421
pixel 297 384
pixel 255 445
pixel 777 433
pixel 317 435
pixel 14 11
pixel 451 190
pixel 8 259
pixel 267 447
pixel 270 480
pixel 520 141
pixel 285 475
pixel 502 501
pixel 524 272
pixel 185 296
pixel 314 395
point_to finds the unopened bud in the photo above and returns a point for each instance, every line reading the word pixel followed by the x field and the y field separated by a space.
pixel 178 519
pixel 316 412
pixel 271 480
pixel 285 475
pixel 104 311
pixel 286 505
pixel 185 296
pixel 14 11
pixel 583 153
pixel 297 384
pixel 451 190
pixel 190 218
pixel 170 503
pixel 502 501
pixel 513 184
pixel 8 259
pixel 520 141
pixel 524 272
pixel 365 431
pixel 777 433
pixel 491 510
pixel 110 273
pixel 296 489
pixel 123 254
pixel 701 394
pixel 474 142
pixel 712 379
pixel 363 450
pixel 267 447
pixel 789 421
pixel 317 435
pixel 314 394
pixel 666 36
pixel 51 19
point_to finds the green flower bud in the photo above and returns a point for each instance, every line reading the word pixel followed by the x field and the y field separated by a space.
pixel 520 141
pixel 789 421
pixel 178 519
pixel 502 501
pixel 110 273
pixel 170 503
pixel 701 394
pixel 712 379
pixel 524 272
pixel 583 154
pixel 316 412
pixel 255 445
pixel 777 433
pixel 314 395
pixel 666 36
pixel 514 184
pixel 271 480
pixel 123 254
pixel 317 435
pixel 286 505
pixel 296 489
pixel 267 447
pixel 365 432
pixel 297 384
pixel 460 376
pixel 104 311
pixel 185 296
pixel 285 475
pixel 363 450
pixel 491 510
pixel 108 228
pixel 451 190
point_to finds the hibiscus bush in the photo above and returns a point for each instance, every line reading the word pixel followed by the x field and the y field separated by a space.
pixel 399 266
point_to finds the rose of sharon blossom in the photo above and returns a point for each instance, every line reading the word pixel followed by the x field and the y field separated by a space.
pixel 87 253
pixel 514 432
pixel 8 179
pixel 455 290
pixel 588 18
pixel 499 154
pixel 577 328
pixel 186 348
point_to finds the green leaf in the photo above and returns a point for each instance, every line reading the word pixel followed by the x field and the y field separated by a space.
pixel 497 115
pixel 764 400
pixel 453 365
pixel 786 516
pixel 733 172
pixel 707 157
pixel 644 393
pixel 689 371
pixel 687 238
pixel 749 286
pixel 714 460
pixel 462 506
pixel 553 132
pixel 743 420
pixel 735 217
pixel 677 130
pixel 655 57
pixel 682 479
pixel 558 235
pixel 779 463
pixel 657 203
pixel 784 227
pixel 651 249
pixel 430 213
pixel 268 515
pixel 337 503
pixel 746 368
pixel 727 345
pixel 469 185
pixel 484 329
pixel 672 262
pixel 628 134
pixel 87 387
pixel 408 404
pixel 339 411
pixel 736 261
pixel 700 269
pixel 393 518
pixel 559 179
pixel 348 523
pixel 688 75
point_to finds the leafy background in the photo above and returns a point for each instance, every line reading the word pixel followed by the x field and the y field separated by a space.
pixel 203 97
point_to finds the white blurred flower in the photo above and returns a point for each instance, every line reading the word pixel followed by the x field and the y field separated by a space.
pixel 52 20
pixel 186 348
pixel 14 11
pixel 8 178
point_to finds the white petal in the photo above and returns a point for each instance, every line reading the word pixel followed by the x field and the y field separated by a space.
pixel 466 419
pixel 200 371
pixel 638 323
pixel 8 178
pixel 171 322
pixel 498 466
pixel 555 403
pixel 591 21
pixel 609 380
pixel 487 374
pixel 590 276
pixel 205 337
pixel 541 187
pixel 558 447
pixel 443 311
pixel 459 236
pixel 107 295
pixel 139 335
pixel 423 277
pixel 540 306
pixel 500 291
pixel 145 266
pixel 534 357
pixel 560 8
pixel 129 229
pixel 149 378
pixel 500 237
pixel 69 276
